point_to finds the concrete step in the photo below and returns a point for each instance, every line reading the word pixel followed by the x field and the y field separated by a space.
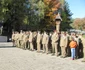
pixel 6 44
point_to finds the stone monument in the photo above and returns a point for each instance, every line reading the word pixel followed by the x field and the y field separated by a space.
pixel 58 20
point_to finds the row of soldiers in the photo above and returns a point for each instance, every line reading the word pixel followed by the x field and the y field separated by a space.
pixel 54 42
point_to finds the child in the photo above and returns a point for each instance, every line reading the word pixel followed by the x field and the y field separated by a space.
pixel 73 45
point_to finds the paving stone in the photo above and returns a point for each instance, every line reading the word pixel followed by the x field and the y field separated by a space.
pixel 12 58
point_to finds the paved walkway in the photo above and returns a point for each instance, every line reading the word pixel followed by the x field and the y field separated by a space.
pixel 12 58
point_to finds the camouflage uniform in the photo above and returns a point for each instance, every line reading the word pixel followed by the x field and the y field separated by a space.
pixel 54 43
pixel 45 40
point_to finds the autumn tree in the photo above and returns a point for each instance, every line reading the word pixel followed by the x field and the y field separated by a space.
pixel 79 23
pixel 52 9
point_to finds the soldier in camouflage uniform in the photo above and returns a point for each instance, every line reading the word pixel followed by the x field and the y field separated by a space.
pixel 45 40
pixel 31 41
pixel 63 44
pixel 38 41
pixel 25 39
pixel 20 39
pixel 17 39
pixel 54 43
pixel 83 42
pixel 13 38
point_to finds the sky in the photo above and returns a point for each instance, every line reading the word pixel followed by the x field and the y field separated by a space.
pixel 77 7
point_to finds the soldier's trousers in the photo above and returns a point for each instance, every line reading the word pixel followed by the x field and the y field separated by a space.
pixel 45 48
pixel 77 51
pixel 28 45
pixel 54 48
pixel 17 43
pixel 21 44
pixel 38 47
pixel 24 45
pixel 63 51
pixel 13 41
pixel 68 52
pixel 84 52
pixel 31 46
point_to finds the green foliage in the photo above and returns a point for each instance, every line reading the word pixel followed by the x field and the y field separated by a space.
pixel 36 13
pixel 66 17
pixel 16 13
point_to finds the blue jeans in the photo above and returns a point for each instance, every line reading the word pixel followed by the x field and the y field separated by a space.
pixel 73 53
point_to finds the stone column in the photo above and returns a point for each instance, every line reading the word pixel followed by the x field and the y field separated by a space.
pixel 58 26
pixel 58 20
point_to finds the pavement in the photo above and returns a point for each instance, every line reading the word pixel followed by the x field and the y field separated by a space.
pixel 12 58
